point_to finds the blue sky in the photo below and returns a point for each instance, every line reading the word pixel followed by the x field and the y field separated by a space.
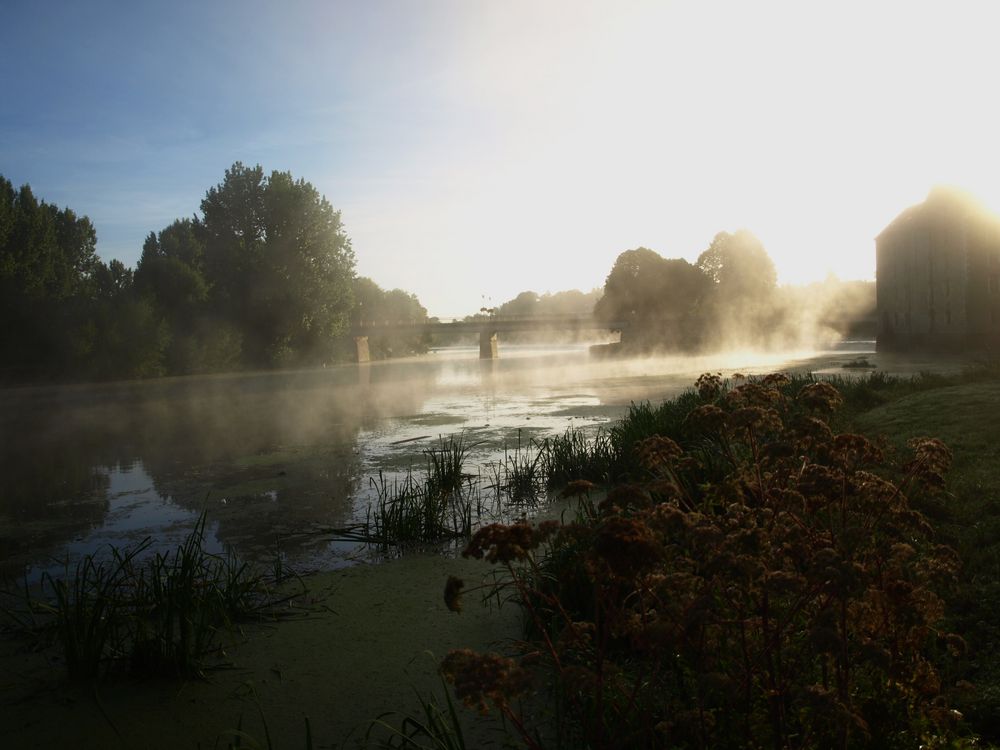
pixel 477 149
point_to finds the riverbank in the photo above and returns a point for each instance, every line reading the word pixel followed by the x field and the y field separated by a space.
pixel 368 641
pixel 363 647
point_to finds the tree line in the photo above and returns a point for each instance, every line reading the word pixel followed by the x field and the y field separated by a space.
pixel 728 297
pixel 264 277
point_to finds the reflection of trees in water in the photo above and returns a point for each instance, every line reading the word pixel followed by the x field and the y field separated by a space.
pixel 51 488
pixel 279 447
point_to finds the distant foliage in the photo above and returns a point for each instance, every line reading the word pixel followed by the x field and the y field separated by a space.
pixel 263 278
pixel 65 312
pixel 374 306
pixel 728 298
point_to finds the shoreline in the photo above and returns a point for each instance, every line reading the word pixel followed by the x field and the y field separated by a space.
pixel 369 644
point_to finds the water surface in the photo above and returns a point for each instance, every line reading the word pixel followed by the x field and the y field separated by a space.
pixel 276 459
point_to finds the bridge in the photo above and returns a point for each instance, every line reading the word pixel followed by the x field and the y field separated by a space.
pixel 487 327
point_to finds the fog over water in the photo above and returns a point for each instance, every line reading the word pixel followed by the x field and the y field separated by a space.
pixel 275 458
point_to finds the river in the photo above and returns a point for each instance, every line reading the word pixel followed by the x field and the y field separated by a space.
pixel 277 459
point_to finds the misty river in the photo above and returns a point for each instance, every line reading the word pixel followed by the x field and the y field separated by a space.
pixel 278 458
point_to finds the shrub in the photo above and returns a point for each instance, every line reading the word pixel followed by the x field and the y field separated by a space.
pixel 759 583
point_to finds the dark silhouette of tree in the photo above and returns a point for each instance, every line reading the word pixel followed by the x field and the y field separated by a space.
pixel 743 308
pixel 47 268
pixel 659 298
pixel 264 277
pixel 739 266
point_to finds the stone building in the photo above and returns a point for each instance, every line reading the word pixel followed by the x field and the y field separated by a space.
pixel 937 276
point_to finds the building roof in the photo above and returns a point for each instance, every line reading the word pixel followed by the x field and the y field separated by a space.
pixel 941 202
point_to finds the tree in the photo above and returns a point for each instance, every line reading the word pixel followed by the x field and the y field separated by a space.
pixel 47 266
pixel 739 266
pixel 658 298
pixel 278 263
pixel 523 305
pixel 743 308
pixel 374 305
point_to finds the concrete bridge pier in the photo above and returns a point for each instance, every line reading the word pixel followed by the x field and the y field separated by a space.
pixel 488 344
pixel 361 347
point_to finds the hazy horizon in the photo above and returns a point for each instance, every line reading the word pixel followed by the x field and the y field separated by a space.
pixel 511 146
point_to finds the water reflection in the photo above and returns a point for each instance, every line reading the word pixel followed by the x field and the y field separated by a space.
pixel 275 458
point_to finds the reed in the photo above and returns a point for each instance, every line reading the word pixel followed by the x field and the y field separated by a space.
pixel 89 611
pixel 435 727
pixel 159 614
pixel 518 479
pixel 417 510
pixel 573 456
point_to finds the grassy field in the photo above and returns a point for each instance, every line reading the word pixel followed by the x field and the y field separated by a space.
pixel 966 416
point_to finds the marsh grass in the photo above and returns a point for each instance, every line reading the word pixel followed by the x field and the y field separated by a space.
pixel 445 466
pixel 88 610
pixel 126 610
pixel 518 480
pixel 416 510
pixel 435 727
pixel 573 455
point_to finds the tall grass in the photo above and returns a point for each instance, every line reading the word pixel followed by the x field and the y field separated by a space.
pixel 445 465
pixel 518 479
pixel 89 611
pixel 573 455
pixel 159 614
pixel 414 510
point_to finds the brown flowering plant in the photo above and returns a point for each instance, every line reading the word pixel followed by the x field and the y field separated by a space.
pixel 764 582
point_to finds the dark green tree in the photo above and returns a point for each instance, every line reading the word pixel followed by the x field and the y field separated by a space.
pixel 47 267
pixel 278 263
pixel 660 299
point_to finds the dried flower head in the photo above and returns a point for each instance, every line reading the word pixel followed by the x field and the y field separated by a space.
pixel 706 418
pixel 658 451
pixel 709 385
pixel 481 677
pixel 628 545
pixel 503 543
pixel 775 380
pixel 931 460
pixel 625 496
pixel 756 418
pixel 855 450
pixel 453 592
pixel 820 397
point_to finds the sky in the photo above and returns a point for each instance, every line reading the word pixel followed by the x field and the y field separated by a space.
pixel 477 149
